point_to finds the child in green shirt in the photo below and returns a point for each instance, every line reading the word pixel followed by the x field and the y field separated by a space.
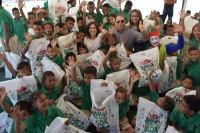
pixel 186 118
pixel 81 24
pixel 82 49
pixel 60 30
pixel 89 73
pixel 69 21
pixel 105 11
pixel 42 116
pixel 52 93
pixel 127 10
pixel 46 17
pixel 49 31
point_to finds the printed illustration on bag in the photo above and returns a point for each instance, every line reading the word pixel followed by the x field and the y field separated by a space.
pixel 68 48
pixel 55 14
pixel 178 98
pixel 171 78
pixel 23 93
pixel 6 126
pixel 91 62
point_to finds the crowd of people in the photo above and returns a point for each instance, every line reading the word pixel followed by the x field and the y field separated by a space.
pixel 101 28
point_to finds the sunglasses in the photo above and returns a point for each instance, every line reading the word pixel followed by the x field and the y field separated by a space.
pixel 118 21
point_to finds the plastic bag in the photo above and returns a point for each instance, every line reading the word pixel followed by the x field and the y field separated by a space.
pixel 20 88
pixel 81 58
pixel 150 118
pixel 72 13
pixel 114 3
pixel 5 122
pixel 14 61
pixel 105 110
pixel 171 129
pixel 143 61
pixel 77 117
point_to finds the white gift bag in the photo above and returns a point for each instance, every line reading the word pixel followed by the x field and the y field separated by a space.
pixel 58 126
pixel 14 61
pixel 150 118
pixel 171 129
pixel 54 7
pixel 143 61
pixel 72 13
pixel 114 3
pixel 20 88
pixel 189 23
pixel 5 122
pixel 77 117
pixel 169 40
pixel 169 72
pixel 67 45
pixel 49 65
pixel 37 50
pixel 105 110
pixel 72 89
pixel 177 94
pixel 81 58
pixel 121 79
pixel 96 60
pixel 122 54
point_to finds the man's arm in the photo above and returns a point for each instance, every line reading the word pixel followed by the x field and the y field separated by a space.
pixel 7 36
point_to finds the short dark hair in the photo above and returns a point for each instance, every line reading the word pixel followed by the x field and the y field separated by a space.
pixel 23 65
pixel 79 18
pixel 68 55
pixel 111 36
pixel 88 27
pixel 24 105
pixel 132 66
pixel 34 96
pixel 188 77
pixel 50 25
pixel 170 26
pixel 81 31
pixel 192 48
pixel 113 58
pixel 67 19
pixel 90 70
pixel 168 104
pixel 106 5
pixel 121 90
pixel 193 102
pixel 90 3
pixel 47 74
pixel 188 11
pixel 39 23
pixel 33 8
pixel 0 2
pixel 50 46
pixel 128 3
pixel 31 13
pixel 112 15
pixel 15 9
pixel 80 45
pixel 60 25
pixel 102 47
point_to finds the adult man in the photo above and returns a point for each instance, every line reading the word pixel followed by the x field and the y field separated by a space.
pixel 7 32
pixel 168 9
pixel 126 34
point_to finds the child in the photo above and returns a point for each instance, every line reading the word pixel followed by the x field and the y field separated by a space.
pixel 192 64
pixel 105 11
pixel 48 30
pixel 69 21
pixel 46 18
pixel 39 29
pixel 103 49
pixel 89 73
pixel 52 93
pixel 41 117
pixel 127 10
pixel 61 29
pixel 91 14
pixel 114 62
pixel 81 24
pixel 186 117
pixel 82 49
pixel 122 98
pixel 80 37
pixel 112 19
pixel 170 37
pixel 187 82
pixel 111 41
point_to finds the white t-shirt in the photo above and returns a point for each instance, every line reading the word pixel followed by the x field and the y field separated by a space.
pixel 93 44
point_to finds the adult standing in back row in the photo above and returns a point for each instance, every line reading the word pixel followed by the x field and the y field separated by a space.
pixel 168 9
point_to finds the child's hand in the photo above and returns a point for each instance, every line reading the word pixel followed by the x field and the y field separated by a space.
pixel 20 4
pixel 39 64
pixel 105 20
pixel 57 29
pixel 67 122
pixel 187 90
pixel 122 42
pixel 149 72
pixel 141 27
pixel 104 32
pixel 74 39
pixel 30 26
pixel 2 56
pixel 104 84
pixel 62 11
pixel 54 42
pixel 83 3
pixel 135 78
pixel 71 62
pixel 84 10
pixel 84 65
pixel 28 37
pixel 3 94
pixel 16 113
pixel 65 98
pixel 182 14
pixel 111 30
pixel 112 49
pixel 178 29
pixel 185 60
pixel 51 102
pixel 49 37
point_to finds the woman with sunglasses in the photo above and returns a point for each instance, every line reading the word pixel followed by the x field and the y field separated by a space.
pixel 143 26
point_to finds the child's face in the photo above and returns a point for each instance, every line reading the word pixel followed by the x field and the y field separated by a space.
pixel 50 82
pixel 82 51
pixel 16 14
pixel 41 103
pixel 73 3
pixel 155 41
pixel 51 53
pixel 175 53
pixel 183 107
pixel 112 20
pixel 120 97
pixel 106 11
pixel 45 15
pixel 115 64
pixel 24 71
pixel 128 8
pixel 90 8
pixel 70 25
pixel 194 55
pixel 134 17
pixel 31 18
pixel 92 30
pixel 187 83
pixel 88 77
pixel 104 51
pixel 81 36
pixel 160 102
pixel 38 30
pixel 170 31
pixel 111 41
pixel 80 23
pixel 196 32
pixel 24 115
pixel 48 29
pixel 64 30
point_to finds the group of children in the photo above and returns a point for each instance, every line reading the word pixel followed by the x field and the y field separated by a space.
pixel 96 33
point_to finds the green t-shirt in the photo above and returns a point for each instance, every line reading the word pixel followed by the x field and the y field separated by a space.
pixel 141 91
pixel 193 42
pixel 46 5
pixel 114 11
pixel 193 69
pixel 123 109
pixel 70 31
pixel 83 28
pixel 109 70
pixel 54 95
pixel 153 96
pixel 58 60
pixel 49 20
pixel 38 122
pixel 86 103
pixel 6 18
pixel 188 125
pixel 127 15
pixel 9 103
pixel 107 26
pixel 94 16
pixel 20 29
pixel 179 67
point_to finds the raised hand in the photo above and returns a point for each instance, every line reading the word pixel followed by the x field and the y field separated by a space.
pixel 185 60
pixel 28 37
pixel 111 30
pixel 135 78
pixel 3 94
pixel 112 49
pixel 177 28
pixel 71 62
pixel 62 11
pixel 105 20
pixel 104 84
pixel 141 27
pixel 16 113
pixel 2 56
pixel 104 32
pixel 20 4
pixel 51 102
pixel 54 42
pixel 57 29
pixel 83 3
pixel 149 72
pixel 182 14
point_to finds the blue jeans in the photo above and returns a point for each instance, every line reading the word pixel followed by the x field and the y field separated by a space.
pixel 141 46
pixel 169 13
